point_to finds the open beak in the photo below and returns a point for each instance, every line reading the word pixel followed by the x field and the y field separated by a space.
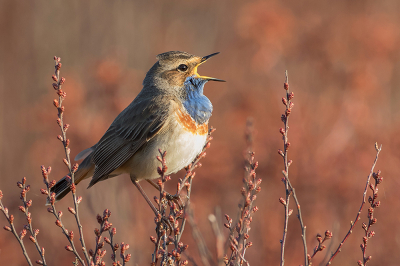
pixel 203 59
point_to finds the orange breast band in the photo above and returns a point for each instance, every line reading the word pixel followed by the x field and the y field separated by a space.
pixel 189 124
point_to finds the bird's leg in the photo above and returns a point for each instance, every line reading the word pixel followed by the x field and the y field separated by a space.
pixel 136 183
pixel 175 198
pixel 153 184
pixel 156 212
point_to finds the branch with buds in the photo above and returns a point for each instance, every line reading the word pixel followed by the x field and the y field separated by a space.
pixel 98 254
pixel 239 231
pixel 378 180
pixel 28 227
pixel 289 189
pixel 65 141
pixel 321 246
pixel 374 203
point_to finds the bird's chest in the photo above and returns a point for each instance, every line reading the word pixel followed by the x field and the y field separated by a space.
pixel 186 140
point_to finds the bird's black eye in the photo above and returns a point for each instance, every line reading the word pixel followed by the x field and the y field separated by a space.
pixel 182 67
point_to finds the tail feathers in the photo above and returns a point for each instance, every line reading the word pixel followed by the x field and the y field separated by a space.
pixel 61 188
pixel 85 170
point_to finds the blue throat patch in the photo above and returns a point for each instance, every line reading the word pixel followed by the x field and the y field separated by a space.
pixel 196 104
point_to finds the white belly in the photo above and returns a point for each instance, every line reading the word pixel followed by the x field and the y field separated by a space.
pixel 181 146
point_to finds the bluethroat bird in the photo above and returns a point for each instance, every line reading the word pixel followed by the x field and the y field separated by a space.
pixel 170 113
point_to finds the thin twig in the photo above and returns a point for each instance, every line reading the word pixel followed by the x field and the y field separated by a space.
pixel 24 209
pixel 289 189
pixel 65 141
pixel 251 186
pixel 58 215
pixel 352 224
pixel 11 228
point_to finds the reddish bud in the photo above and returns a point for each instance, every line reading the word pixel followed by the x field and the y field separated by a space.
pixel 291 95
pixel 71 210
pixel 55 103
pixel 62 81
pixel 107 225
pixel 282 201
pixel 284 101
pixel 287 146
pixel 65 127
pixel 58 223
pixel 282 131
pixel 78 200
pixel 99 219
pixel 71 235
pixel 7 228
pixel 371 234
pixel 22 234
pixel 52 183
pixel 75 167
pixel 127 257
pixel 32 239
pixel 319 238
pixel 328 234
pixel 69 248
pixel 286 86
pixel 73 188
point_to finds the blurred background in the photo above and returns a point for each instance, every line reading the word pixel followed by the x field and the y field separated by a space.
pixel 343 63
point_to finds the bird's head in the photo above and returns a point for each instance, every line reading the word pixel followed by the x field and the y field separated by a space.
pixel 175 69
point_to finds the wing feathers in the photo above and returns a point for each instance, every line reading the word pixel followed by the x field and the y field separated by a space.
pixel 135 126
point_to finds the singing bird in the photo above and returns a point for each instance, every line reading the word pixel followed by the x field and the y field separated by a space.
pixel 170 113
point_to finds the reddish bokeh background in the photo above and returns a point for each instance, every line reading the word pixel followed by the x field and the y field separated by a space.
pixel 343 64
